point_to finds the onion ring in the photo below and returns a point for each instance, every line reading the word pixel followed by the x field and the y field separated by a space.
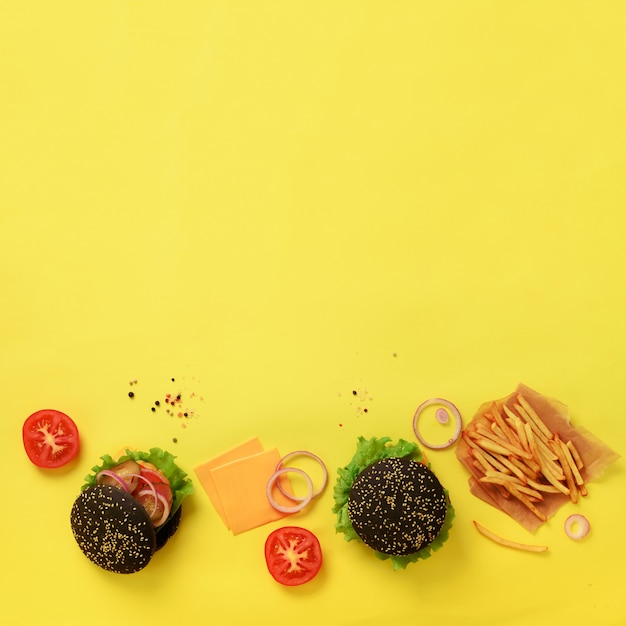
pixel 166 506
pixel 577 527
pixel 455 413
pixel 315 458
pixel 302 503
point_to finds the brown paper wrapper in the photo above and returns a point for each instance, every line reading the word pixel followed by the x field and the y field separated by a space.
pixel 596 456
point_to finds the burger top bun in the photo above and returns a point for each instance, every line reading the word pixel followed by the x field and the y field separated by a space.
pixel 113 529
pixel 397 506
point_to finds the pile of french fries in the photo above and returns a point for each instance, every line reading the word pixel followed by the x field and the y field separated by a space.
pixel 514 450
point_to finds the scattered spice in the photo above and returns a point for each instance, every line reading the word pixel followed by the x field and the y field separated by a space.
pixel 131 394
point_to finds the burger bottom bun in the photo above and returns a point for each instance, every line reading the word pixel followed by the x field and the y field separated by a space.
pixel 114 531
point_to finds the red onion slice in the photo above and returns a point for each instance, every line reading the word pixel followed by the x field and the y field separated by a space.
pixel 456 415
pixel 577 526
pixel 114 476
pixel 302 503
pixel 306 453
pixel 163 499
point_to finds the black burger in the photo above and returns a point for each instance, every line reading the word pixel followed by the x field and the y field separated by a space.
pixel 129 508
pixel 387 498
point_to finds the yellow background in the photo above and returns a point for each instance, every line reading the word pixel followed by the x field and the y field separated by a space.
pixel 278 203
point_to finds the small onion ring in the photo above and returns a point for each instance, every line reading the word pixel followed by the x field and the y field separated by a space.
pixel 582 526
pixel 166 506
pixel 315 458
pixel 455 413
pixel 302 503
pixel 115 477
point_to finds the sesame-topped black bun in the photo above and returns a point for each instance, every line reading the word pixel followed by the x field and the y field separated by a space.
pixel 113 529
pixel 129 508
pixel 388 498
pixel 397 506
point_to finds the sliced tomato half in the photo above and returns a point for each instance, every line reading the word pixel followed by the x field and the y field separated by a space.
pixel 293 555
pixel 50 438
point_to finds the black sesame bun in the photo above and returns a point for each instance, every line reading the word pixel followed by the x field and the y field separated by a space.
pixel 113 528
pixel 391 501
pixel 397 506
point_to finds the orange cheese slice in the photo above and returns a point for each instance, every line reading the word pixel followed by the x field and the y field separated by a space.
pixel 205 476
pixel 242 488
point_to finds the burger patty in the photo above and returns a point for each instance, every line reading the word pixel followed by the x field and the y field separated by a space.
pixel 397 506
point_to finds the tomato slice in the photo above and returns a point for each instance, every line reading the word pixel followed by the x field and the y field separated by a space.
pixel 158 479
pixel 50 438
pixel 293 555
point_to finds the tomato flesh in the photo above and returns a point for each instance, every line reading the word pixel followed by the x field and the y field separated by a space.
pixel 293 555
pixel 50 438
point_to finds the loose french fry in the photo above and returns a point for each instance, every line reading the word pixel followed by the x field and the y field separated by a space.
pixel 507 542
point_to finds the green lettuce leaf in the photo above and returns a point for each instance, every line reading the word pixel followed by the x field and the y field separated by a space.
pixel 179 481
pixel 369 451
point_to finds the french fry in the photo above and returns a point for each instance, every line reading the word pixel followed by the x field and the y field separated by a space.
pixel 515 452
pixel 479 460
pixel 523 498
pixel 521 433
pixel 530 468
pixel 547 472
pixel 511 466
pixel 569 477
pixel 491 461
pixel 498 478
pixel 492 446
pixel 536 429
pixel 530 492
pixel 533 415
pixel 543 487
pixel 507 542
pixel 509 448
pixel 499 420
pixel 575 454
